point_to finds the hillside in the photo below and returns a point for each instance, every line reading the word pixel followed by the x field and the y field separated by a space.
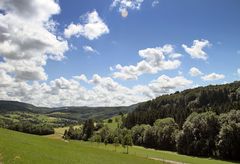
pixel 17 147
pixel 15 106
pixel 64 113
pixel 84 113
pixel 216 98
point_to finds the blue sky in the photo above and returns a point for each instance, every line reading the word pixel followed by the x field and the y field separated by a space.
pixel 170 22
pixel 135 38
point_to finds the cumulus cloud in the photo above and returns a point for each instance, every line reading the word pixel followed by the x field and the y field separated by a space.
pixel 104 91
pixel 196 50
pixel 195 71
pixel 213 76
pixel 155 3
pixel 92 27
pixel 154 60
pixel 90 49
pixel 82 77
pixel 125 5
pixel 165 84
pixel 25 39
pixel 238 71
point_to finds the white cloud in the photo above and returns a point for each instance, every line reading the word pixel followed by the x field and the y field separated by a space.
pixel 175 56
pixel 82 77
pixel 93 27
pixel 25 40
pixel 155 3
pixel 165 84
pixel 196 50
pixel 90 49
pixel 212 77
pixel 154 60
pixel 34 10
pixel 5 79
pixel 195 71
pixel 104 91
pixel 238 71
pixel 124 5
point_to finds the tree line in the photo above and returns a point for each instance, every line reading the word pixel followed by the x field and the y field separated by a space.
pixel 202 134
pixel 27 127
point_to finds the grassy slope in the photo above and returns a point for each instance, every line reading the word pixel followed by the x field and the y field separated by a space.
pixel 17 147
pixel 143 152
pixel 165 155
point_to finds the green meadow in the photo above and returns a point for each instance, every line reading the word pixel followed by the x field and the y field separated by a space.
pixel 22 148
pixel 16 147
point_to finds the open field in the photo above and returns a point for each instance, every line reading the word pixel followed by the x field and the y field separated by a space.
pixel 58 132
pixel 17 147
pixel 159 155
pixel 146 153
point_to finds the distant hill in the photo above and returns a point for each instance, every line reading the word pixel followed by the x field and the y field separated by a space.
pixel 217 98
pixel 72 113
pixel 15 106
pixel 83 113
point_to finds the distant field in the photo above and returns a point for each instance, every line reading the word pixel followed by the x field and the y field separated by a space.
pixel 116 121
pixel 33 118
pixel 17 147
pixel 58 132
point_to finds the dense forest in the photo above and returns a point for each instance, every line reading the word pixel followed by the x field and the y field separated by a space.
pixel 219 99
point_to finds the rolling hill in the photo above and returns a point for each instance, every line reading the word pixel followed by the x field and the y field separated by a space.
pixel 20 148
pixel 22 111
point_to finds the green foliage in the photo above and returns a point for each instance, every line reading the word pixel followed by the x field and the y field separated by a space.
pixel 160 136
pixel 73 133
pixel 166 130
pixel 28 127
pixel 82 133
pixel 219 99
pixel 138 134
pixel 116 142
pixel 229 136
pixel 88 129
pixel 127 140
pixel 199 135
pixel 110 120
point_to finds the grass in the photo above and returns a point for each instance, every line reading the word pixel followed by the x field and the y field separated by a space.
pixel 58 132
pixel 17 116
pixel 114 124
pixel 147 153
pixel 165 155
pixel 16 147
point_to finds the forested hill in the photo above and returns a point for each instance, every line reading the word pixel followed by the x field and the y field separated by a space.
pixel 217 98
pixel 77 113
pixel 15 106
